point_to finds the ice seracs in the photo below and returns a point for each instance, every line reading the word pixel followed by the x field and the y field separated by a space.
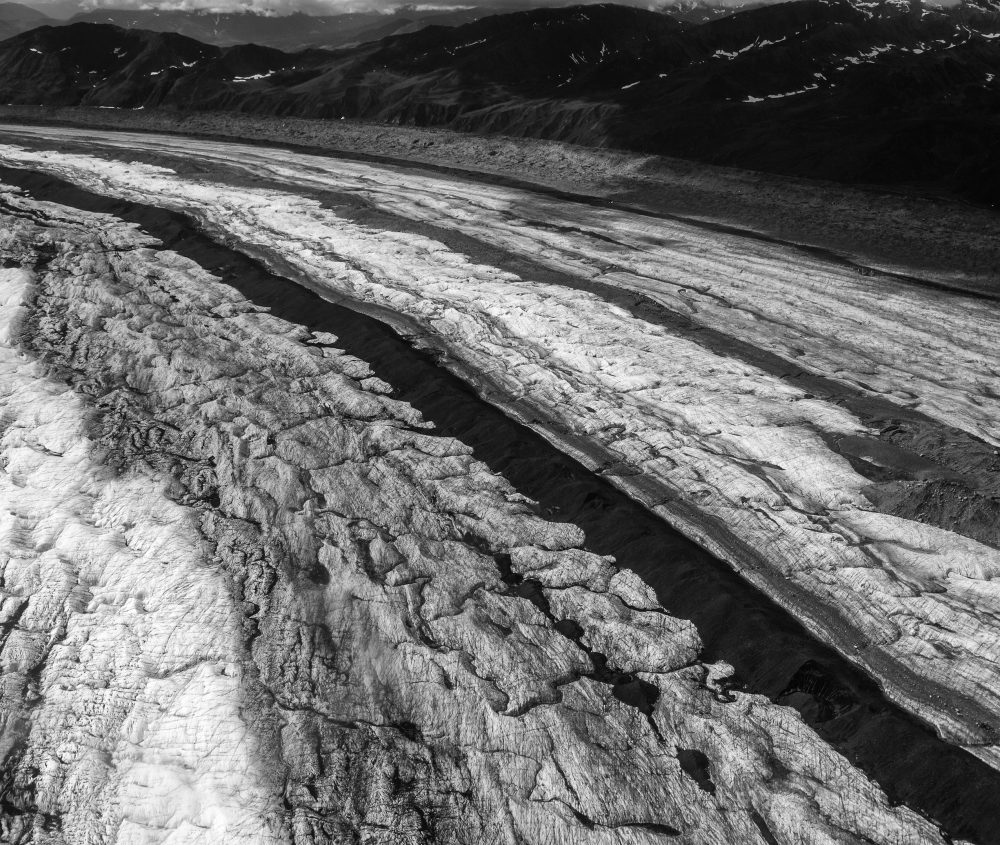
pixel 122 657
pixel 736 455
pixel 249 597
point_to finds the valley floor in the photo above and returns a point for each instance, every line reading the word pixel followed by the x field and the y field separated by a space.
pixel 821 419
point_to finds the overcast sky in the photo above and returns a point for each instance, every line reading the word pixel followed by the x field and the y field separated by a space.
pixel 65 8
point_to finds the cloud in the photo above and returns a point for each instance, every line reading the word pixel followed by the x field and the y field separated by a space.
pixel 264 7
pixel 267 7
pixel 66 8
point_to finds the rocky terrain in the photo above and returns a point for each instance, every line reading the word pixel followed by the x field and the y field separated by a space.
pixel 835 89
pixel 846 469
pixel 248 596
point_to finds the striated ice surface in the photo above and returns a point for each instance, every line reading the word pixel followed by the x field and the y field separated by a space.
pixel 248 597
pixel 122 653
pixel 733 454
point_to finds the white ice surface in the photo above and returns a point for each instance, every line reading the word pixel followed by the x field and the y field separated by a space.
pixel 138 717
pixel 142 733
pixel 742 445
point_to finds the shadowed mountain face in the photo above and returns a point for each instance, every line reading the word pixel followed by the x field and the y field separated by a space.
pixel 871 92
pixel 97 65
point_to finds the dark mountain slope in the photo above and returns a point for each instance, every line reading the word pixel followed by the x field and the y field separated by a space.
pixel 888 98
pixel 83 64
pixel 534 51
pixel 865 91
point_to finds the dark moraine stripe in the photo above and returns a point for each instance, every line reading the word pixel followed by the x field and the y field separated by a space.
pixel 771 652
pixel 959 488
pixel 959 493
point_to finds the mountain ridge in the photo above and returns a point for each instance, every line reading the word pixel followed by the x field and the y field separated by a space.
pixel 861 91
pixel 16 18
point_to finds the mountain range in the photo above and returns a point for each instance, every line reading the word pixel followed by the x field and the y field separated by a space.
pixel 299 30
pixel 16 18
pixel 287 32
pixel 853 90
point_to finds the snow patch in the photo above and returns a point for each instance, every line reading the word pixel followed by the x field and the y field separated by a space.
pixel 254 77
pixel 807 88
pixel 755 45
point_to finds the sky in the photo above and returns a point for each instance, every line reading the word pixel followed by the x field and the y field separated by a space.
pixel 66 8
